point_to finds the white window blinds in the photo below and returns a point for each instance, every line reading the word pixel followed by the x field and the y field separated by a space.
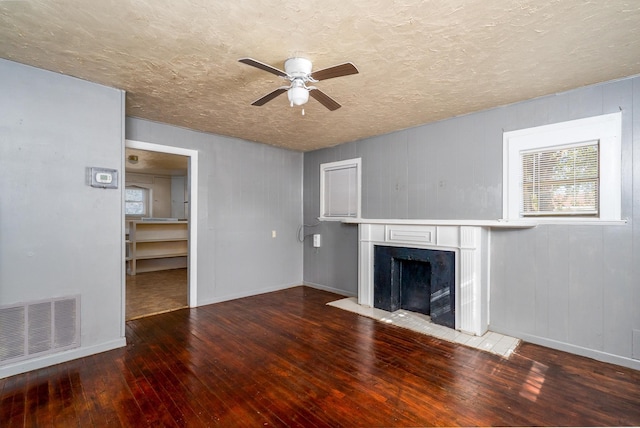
pixel 561 181
pixel 341 191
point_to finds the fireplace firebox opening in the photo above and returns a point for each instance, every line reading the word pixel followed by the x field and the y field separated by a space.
pixel 415 279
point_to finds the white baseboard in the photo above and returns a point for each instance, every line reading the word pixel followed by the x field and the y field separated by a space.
pixel 256 292
pixel 62 357
pixel 572 349
pixel 331 289
pixel 250 293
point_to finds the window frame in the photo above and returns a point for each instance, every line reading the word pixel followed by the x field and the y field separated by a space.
pixel 147 202
pixel 606 129
pixel 332 166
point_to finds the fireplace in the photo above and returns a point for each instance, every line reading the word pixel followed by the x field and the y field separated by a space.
pixel 415 279
pixel 468 244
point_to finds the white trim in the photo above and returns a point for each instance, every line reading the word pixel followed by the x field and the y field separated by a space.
pixel 249 293
pixel 61 357
pixel 570 348
pixel 123 223
pixel 330 289
pixel 575 221
pixel 498 224
pixel 605 128
pixel 193 207
pixel 357 163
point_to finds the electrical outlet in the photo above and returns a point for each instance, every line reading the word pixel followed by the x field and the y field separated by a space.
pixel 316 240
pixel 273 234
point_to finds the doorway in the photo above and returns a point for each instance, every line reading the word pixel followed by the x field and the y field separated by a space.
pixel 160 265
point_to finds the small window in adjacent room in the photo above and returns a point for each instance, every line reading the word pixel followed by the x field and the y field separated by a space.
pixel 136 201
pixel 565 172
pixel 340 189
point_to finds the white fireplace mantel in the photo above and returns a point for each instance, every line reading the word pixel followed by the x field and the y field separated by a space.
pixel 492 224
pixel 469 239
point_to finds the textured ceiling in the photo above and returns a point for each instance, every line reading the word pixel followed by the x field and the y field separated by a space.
pixel 419 61
pixel 146 162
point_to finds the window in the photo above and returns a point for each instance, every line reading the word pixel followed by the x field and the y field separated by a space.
pixel 560 181
pixel 340 189
pixel 136 201
pixel 565 172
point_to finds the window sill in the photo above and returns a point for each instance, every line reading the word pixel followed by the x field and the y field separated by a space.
pixel 567 221
pixel 341 219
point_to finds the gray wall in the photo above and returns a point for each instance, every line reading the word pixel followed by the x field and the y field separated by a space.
pixel 246 190
pixel 571 287
pixel 58 236
pixel 575 288
pixel 333 266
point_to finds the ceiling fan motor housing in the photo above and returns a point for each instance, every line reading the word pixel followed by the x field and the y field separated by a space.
pixel 297 67
pixel 298 70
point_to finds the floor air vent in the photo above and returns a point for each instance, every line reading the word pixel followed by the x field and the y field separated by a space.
pixel 34 329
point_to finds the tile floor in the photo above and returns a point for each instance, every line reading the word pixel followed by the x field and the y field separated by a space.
pixel 492 342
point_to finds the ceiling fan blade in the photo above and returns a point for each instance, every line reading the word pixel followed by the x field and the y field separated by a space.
pixel 262 66
pixel 271 95
pixel 336 71
pixel 324 99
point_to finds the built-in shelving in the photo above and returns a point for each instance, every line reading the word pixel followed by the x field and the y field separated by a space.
pixel 156 245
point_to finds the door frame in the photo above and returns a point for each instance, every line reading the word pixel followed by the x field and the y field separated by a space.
pixel 192 185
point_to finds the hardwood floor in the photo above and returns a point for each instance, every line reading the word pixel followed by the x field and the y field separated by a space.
pixel 151 293
pixel 287 359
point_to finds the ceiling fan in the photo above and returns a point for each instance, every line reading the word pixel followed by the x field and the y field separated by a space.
pixel 298 73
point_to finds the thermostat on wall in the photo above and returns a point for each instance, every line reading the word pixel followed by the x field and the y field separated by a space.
pixel 104 178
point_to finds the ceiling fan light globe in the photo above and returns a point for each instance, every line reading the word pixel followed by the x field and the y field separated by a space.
pixel 298 96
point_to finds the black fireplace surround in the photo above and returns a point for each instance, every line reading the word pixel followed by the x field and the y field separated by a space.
pixel 415 279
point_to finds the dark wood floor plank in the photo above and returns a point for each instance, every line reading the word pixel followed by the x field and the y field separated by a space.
pixel 213 384
pixel 64 403
pixel 13 398
pixel 78 397
pixel 285 359
pixel 102 396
